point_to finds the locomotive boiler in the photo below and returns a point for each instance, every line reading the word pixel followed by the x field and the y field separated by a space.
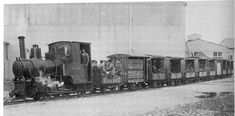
pixel 62 69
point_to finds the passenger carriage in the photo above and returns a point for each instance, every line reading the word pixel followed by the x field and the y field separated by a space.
pixel 158 69
pixel 130 71
pixel 212 68
pixel 137 70
pixel 190 69
pixel 176 71
pixel 203 69
pixel 111 80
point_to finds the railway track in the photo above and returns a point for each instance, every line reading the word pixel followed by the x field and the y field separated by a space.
pixel 72 95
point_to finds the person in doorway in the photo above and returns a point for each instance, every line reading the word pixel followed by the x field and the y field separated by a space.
pixel 85 58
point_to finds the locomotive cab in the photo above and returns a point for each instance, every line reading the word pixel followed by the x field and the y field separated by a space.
pixel 76 69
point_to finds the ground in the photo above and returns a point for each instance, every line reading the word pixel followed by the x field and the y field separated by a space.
pixel 199 99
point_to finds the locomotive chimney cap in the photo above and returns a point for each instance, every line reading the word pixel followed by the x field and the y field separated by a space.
pixel 21 37
pixel 35 45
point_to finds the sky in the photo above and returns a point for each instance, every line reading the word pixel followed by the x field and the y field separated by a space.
pixel 213 20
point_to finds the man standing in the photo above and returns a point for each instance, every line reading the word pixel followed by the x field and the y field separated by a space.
pixel 85 58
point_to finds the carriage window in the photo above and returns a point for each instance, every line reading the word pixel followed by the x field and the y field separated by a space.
pixel 224 65
pixel 176 66
pixel 189 65
pixel 64 50
pixel 232 65
pixel 202 65
pixel 157 65
pixel 211 65
pixel 53 49
pixel 228 65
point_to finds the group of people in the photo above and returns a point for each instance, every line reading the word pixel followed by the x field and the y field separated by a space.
pixel 108 67
pixel 189 67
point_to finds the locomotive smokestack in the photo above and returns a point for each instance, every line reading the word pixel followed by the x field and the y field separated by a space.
pixel 22 47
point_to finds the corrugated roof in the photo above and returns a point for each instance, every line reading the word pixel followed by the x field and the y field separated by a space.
pixel 202 56
pixel 207 42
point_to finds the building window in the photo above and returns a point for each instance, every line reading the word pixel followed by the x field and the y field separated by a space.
pixel 219 54
pixel 215 54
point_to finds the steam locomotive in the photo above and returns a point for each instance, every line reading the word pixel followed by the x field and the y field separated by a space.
pixel 64 71
pixel 62 67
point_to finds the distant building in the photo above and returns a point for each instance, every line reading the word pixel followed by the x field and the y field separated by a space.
pixel 196 46
pixel 228 42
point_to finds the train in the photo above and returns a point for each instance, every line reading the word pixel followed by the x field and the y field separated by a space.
pixel 66 70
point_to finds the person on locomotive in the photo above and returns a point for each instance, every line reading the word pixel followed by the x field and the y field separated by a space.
pixel 101 64
pixel 85 57
pixel 118 68
pixel 109 69
pixel 94 63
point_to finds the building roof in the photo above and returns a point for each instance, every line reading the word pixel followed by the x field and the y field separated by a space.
pixel 202 56
pixel 207 42
pixel 228 42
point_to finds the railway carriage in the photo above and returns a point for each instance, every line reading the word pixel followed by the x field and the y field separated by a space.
pixel 176 71
pixel 130 71
pixel 203 69
pixel 120 76
pixel 137 70
pixel 190 69
pixel 224 68
pixel 158 70
pixel 212 68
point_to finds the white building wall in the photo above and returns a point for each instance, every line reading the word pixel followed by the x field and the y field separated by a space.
pixel 131 28
pixel 208 48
